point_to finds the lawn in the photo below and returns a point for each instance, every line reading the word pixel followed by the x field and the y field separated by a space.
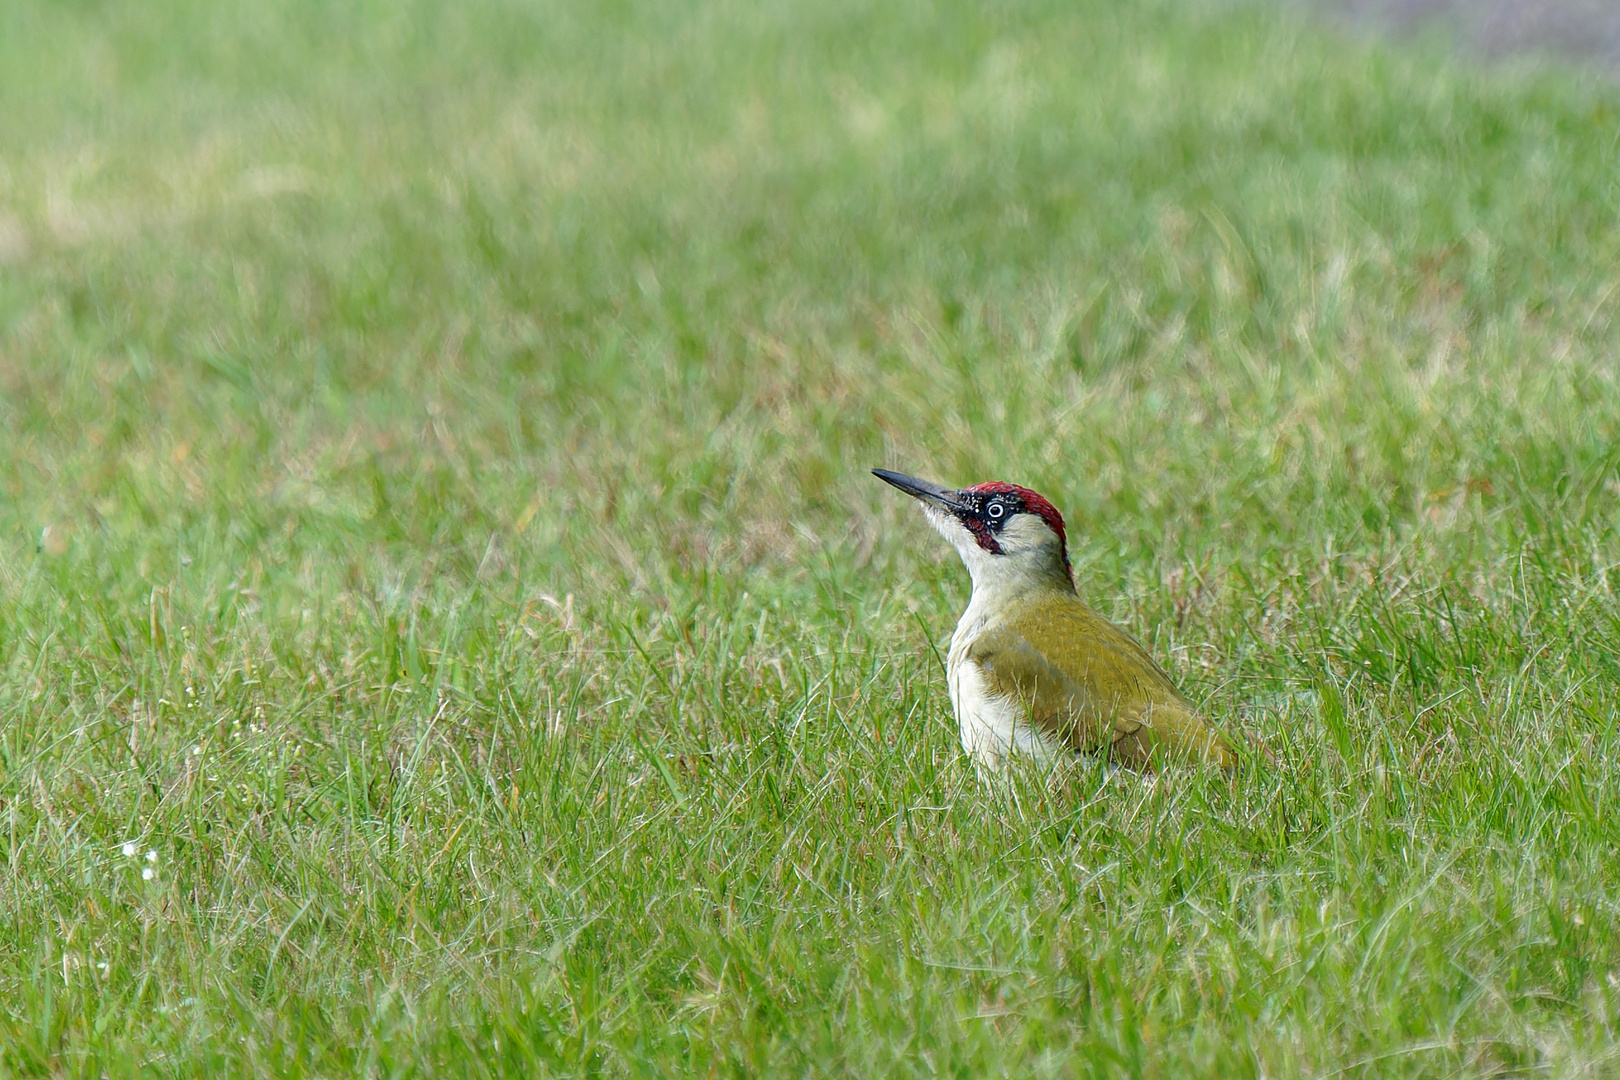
pixel 447 626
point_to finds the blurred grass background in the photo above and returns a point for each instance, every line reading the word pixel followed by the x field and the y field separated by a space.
pixel 436 527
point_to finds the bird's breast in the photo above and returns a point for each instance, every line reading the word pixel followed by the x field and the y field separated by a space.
pixel 991 725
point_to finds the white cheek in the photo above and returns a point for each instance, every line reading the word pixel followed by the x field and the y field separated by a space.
pixel 966 544
pixel 1025 532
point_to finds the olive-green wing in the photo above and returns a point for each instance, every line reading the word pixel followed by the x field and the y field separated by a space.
pixel 1090 683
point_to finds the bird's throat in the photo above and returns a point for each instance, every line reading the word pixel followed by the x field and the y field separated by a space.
pixel 999 580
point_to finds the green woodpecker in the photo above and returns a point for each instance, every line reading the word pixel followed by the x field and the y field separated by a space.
pixel 1032 669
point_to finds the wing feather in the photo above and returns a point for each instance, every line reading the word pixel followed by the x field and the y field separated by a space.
pixel 1092 685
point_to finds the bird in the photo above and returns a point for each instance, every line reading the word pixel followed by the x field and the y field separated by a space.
pixel 1033 670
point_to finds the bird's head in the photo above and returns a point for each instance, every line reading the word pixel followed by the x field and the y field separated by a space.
pixel 1009 536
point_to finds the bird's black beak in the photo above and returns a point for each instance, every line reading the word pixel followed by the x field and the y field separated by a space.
pixel 942 497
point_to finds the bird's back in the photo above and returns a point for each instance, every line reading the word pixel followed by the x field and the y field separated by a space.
pixel 1087 685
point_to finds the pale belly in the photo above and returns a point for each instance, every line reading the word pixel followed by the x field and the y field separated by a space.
pixel 993 727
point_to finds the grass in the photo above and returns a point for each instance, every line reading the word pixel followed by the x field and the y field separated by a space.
pixel 435 525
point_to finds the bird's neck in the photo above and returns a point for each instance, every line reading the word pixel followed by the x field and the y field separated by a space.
pixel 999 596
pixel 1000 583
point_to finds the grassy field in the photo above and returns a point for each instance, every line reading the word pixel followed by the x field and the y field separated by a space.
pixel 447 627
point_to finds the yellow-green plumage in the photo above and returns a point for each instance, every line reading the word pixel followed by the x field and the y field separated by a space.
pixel 1090 685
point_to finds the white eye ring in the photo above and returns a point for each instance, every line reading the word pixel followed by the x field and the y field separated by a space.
pixel 995 510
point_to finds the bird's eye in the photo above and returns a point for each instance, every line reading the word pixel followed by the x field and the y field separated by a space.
pixel 995 511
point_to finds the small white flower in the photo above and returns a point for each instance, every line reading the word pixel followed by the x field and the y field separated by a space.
pixel 196 751
pixel 151 856
pixel 129 850
pixel 148 874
